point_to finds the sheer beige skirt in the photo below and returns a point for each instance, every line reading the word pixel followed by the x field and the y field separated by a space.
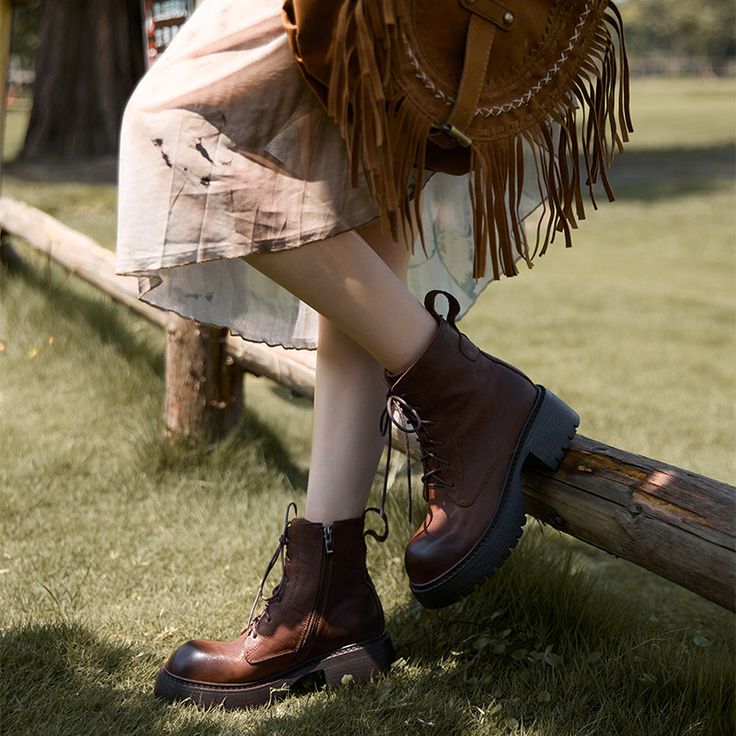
pixel 225 151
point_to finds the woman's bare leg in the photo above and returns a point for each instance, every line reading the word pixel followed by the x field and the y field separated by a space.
pixel 369 320
pixel 349 396
pixel 345 280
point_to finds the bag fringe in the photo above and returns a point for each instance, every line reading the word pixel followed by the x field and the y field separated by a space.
pixel 387 136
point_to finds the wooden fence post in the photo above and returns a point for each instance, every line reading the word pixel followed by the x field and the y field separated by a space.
pixel 204 393
pixel 203 397
pixel 8 257
pixel 6 24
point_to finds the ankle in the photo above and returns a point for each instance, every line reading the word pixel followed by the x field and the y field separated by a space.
pixel 317 515
pixel 413 350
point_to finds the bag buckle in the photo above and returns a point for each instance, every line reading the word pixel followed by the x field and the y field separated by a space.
pixel 457 135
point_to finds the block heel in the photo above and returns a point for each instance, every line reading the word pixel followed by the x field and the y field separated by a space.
pixel 552 430
pixel 362 661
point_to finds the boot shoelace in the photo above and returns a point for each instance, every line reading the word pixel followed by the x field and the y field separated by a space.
pixel 279 553
pixel 428 445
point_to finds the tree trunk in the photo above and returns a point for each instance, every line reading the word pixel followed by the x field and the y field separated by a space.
pixel 204 386
pixel 90 59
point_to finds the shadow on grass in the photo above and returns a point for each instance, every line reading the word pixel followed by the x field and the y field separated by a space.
pixel 288 395
pixel 533 630
pixel 250 445
pixel 100 170
pixel 560 649
pixel 651 175
pixel 61 678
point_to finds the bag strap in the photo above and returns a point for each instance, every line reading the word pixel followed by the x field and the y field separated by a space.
pixel 486 17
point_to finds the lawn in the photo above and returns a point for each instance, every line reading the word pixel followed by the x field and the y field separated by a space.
pixel 114 550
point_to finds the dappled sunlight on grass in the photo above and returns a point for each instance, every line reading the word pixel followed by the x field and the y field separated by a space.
pixel 115 549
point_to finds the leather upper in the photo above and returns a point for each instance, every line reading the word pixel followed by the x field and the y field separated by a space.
pixel 325 601
pixel 475 407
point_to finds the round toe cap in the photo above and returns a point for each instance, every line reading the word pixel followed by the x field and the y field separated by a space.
pixel 189 661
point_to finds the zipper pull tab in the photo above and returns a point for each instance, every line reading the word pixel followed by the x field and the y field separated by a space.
pixel 327 534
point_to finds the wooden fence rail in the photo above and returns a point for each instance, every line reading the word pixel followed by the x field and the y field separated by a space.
pixel 678 524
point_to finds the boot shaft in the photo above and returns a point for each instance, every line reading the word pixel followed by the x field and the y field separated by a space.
pixel 326 594
pixel 472 406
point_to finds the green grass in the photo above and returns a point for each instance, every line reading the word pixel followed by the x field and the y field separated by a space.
pixel 114 550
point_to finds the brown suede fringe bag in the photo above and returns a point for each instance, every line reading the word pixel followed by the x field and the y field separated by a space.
pixel 468 86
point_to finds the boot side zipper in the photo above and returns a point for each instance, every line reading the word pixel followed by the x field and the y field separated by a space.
pixel 321 599
pixel 327 534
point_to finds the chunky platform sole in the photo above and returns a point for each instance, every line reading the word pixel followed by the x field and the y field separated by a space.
pixel 546 435
pixel 363 661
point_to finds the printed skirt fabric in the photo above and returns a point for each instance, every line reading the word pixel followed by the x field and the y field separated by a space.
pixel 226 151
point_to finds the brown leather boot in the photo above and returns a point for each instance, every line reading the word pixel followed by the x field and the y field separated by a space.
pixel 324 618
pixel 477 420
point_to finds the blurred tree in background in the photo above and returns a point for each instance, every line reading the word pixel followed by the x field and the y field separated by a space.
pixel 682 27
pixel 90 57
pixel 25 34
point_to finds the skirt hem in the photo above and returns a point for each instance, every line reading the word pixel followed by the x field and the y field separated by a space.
pixel 134 267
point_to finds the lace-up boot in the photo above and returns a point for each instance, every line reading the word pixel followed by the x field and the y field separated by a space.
pixel 323 620
pixel 477 420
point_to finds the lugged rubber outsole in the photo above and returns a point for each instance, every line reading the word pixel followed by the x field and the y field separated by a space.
pixel 363 661
pixel 547 434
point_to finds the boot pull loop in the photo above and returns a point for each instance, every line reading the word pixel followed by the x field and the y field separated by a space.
pixel 371 532
pixel 453 309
